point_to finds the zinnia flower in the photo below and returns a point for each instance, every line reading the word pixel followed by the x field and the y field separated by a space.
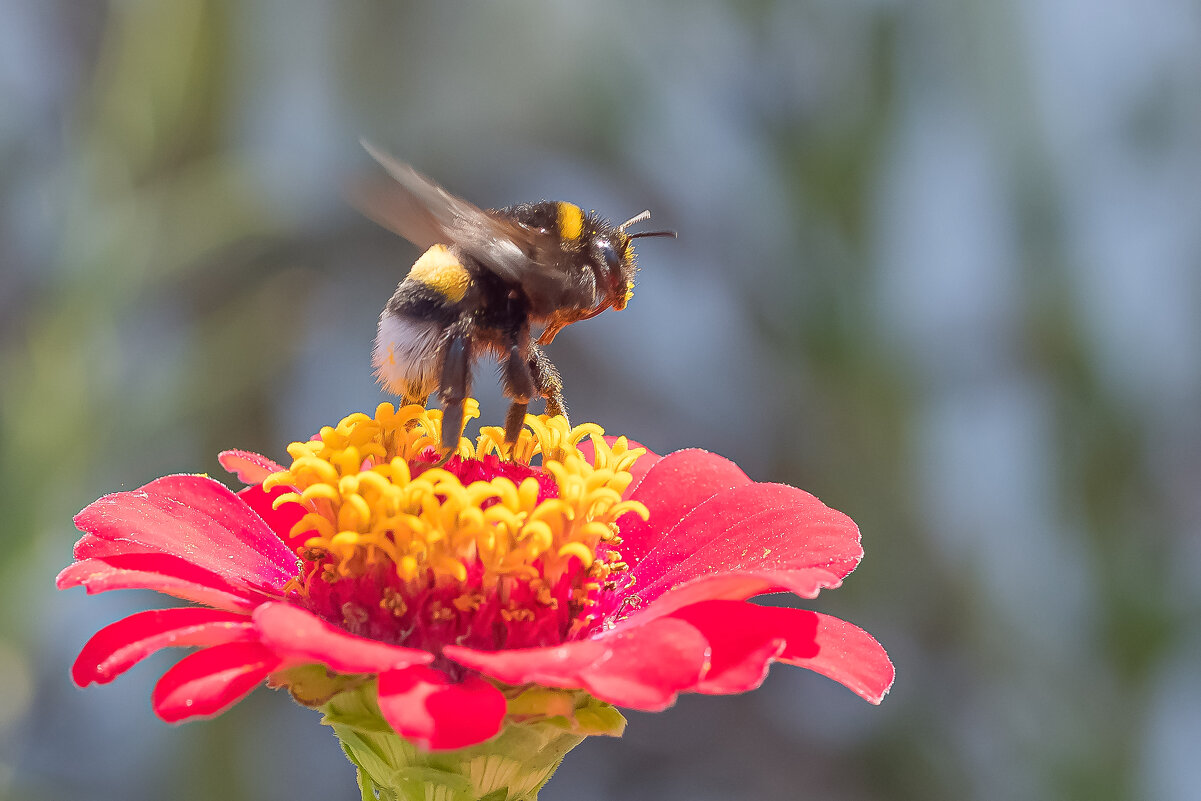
pixel 537 586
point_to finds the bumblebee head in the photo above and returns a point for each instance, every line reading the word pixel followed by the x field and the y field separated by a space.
pixel 613 253
pixel 609 251
pixel 613 258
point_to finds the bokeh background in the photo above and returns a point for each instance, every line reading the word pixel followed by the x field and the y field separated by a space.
pixel 939 263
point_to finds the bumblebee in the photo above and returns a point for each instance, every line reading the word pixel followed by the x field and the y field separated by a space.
pixel 484 279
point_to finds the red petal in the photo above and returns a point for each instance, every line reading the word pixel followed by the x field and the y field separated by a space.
pixel 199 520
pixel 672 488
pixel 118 647
pixel 424 706
pixel 739 586
pixel 210 681
pixel 645 462
pixel 756 529
pixel 300 637
pixel 278 520
pixel 847 654
pixel 251 468
pixel 745 639
pixel 642 667
pixel 89 545
pixel 169 575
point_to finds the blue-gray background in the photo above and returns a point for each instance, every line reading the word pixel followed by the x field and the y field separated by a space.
pixel 939 263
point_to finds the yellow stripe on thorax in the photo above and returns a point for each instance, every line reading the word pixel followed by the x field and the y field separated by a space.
pixel 571 221
pixel 440 271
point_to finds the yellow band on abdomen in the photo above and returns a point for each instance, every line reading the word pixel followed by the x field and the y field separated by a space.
pixel 440 270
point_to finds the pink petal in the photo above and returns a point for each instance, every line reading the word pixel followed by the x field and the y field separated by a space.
pixel 199 520
pixel 753 529
pixel 118 647
pixel 210 681
pixel 641 667
pixel 300 637
pixel 847 654
pixel 250 468
pixel 739 586
pixel 645 462
pixel 745 639
pixel 169 575
pixel 672 488
pixel 279 520
pixel 426 707
pixel 89 545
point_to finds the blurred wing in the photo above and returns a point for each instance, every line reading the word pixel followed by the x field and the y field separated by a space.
pixel 424 213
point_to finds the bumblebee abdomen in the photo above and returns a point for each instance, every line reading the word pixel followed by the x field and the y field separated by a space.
pixel 407 355
pixel 413 327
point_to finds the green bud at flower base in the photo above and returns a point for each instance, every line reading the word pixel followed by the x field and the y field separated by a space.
pixel 542 725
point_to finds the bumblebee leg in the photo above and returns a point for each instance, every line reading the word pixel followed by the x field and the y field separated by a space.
pixel 514 420
pixel 547 381
pixel 456 385
pixel 518 385
pixel 408 400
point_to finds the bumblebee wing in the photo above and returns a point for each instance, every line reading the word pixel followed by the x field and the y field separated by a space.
pixel 424 213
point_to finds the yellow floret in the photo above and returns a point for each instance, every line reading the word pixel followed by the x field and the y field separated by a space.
pixel 365 505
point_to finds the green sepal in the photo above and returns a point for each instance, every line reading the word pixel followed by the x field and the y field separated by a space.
pixel 573 710
pixel 314 685
pixel 542 726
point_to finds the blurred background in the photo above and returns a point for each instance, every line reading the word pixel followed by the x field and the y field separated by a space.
pixel 938 264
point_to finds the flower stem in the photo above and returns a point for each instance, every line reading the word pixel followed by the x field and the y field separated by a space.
pixel 512 766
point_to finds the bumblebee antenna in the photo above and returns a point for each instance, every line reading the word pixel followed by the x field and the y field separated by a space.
pixel 637 218
pixel 672 234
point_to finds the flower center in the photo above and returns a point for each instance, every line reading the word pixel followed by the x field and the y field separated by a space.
pixel 483 551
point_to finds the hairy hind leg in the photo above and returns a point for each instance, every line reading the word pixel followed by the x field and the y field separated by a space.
pixel 453 392
pixel 518 385
pixel 547 382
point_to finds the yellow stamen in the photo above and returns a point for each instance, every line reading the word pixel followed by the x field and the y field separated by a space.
pixel 364 507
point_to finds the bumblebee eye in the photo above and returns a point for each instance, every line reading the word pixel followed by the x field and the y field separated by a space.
pixel 609 254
